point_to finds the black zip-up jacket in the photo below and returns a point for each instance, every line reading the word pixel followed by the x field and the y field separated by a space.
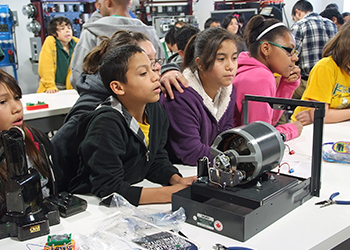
pixel 113 154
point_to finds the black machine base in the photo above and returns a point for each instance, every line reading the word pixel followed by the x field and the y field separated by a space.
pixel 241 212
pixel 68 204
pixel 30 225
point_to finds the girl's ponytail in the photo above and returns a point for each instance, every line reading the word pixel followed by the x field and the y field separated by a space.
pixel 189 61
pixel 92 60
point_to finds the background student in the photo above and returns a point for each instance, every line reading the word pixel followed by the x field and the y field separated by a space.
pixel 241 20
pixel 37 145
pixel 123 139
pixel 96 15
pixel 334 15
pixel 182 36
pixel 211 22
pixel 115 16
pixel 309 22
pixel 231 23
pixel 205 109
pixel 271 50
pixel 346 16
pixel 329 81
pixel 169 43
pixel 55 56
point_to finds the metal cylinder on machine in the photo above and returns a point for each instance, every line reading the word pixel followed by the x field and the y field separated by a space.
pixel 249 151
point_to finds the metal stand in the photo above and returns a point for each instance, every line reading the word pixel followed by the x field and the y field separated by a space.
pixel 291 104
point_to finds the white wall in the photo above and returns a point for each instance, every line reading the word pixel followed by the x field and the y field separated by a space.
pixel 346 6
pixel 29 81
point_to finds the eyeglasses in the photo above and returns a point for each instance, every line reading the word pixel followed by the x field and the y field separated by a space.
pixel 290 51
pixel 159 60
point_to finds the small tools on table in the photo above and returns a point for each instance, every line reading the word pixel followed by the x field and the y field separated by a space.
pixel 331 201
pixel 222 247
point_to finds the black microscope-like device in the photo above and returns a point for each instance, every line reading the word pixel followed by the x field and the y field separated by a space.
pixel 23 212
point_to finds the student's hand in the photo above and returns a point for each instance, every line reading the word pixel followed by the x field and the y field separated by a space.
pixel 172 77
pixel 299 126
pixel 163 194
pixel 159 194
pixel 305 117
pixel 50 91
pixel 169 190
pixel 294 75
pixel 177 179
pixel 187 181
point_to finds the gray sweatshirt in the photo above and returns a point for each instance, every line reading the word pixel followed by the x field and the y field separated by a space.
pixel 106 26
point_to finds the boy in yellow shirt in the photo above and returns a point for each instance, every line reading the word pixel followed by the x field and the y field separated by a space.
pixel 55 56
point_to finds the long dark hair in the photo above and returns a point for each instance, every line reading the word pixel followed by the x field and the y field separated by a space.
pixel 33 153
pixel 205 45
pixel 256 26
pixel 227 20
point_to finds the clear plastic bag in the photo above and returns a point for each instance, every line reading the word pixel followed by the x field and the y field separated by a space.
pixel 336 152
pixel 131 227
pixel 168 220
pixel 102 240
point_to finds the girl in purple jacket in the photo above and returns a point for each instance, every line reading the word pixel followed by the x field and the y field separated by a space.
pixel 205 109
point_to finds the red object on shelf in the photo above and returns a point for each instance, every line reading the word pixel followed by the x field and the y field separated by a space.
pixel 37 106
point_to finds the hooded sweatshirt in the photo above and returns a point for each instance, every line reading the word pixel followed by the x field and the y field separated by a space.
pixel 106 26
pixel 92 92
pixel 111 154
pixel 254 78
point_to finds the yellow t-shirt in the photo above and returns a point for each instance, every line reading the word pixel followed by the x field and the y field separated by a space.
pixel 277 77
pixel 145 129
pixel 327 83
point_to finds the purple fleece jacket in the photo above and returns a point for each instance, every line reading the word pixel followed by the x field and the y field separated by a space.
pixel 254 78
pixel 193 128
